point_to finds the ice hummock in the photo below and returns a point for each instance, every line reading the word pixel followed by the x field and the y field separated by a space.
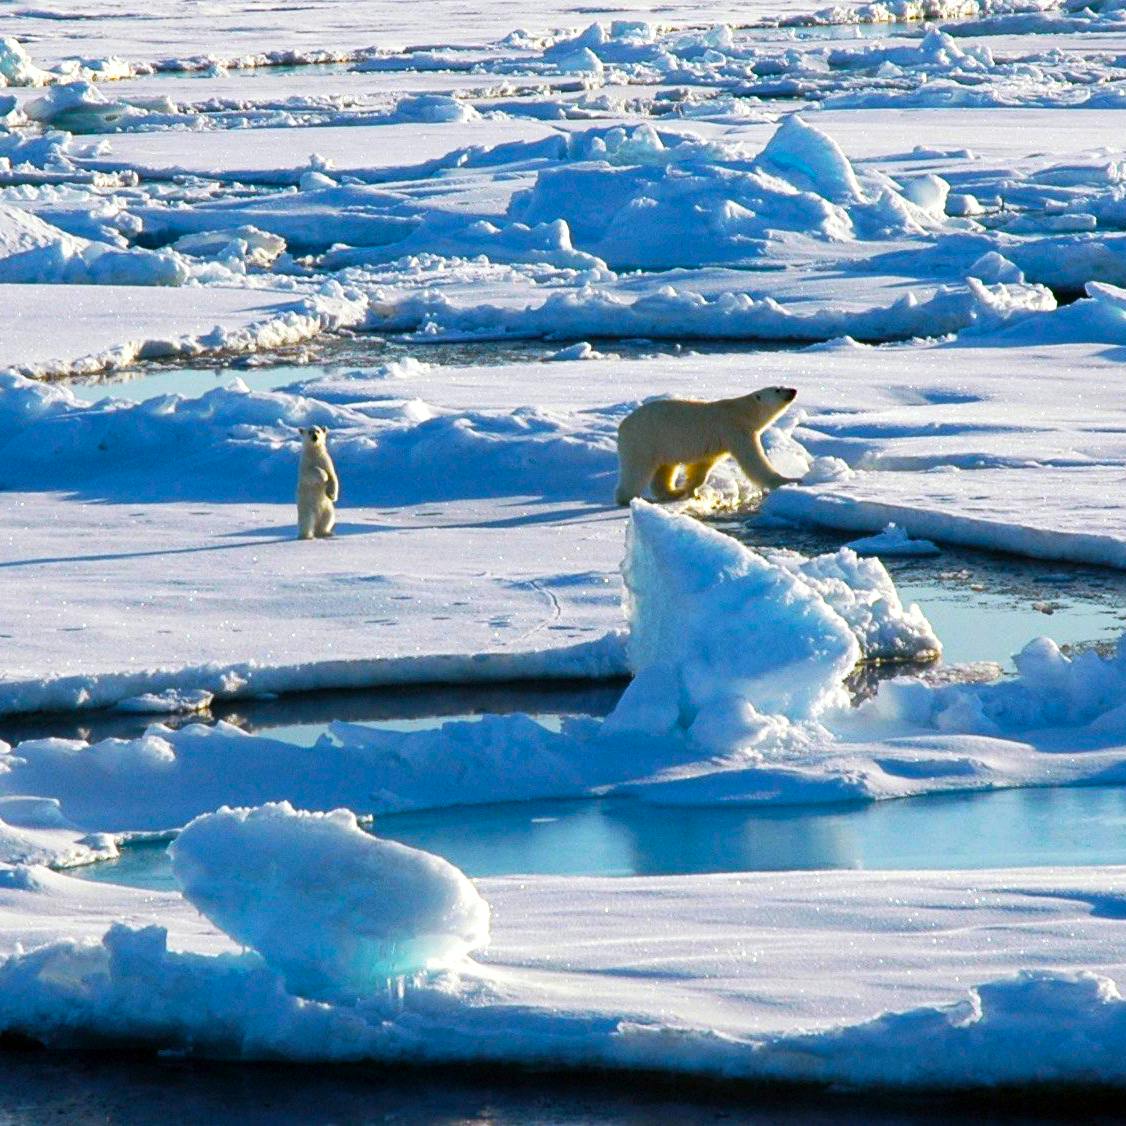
pixel 721 621
pixel 335 911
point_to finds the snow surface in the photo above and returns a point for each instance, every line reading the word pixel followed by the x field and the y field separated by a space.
pixel 727 648
pixel 933 434
pixel 737 696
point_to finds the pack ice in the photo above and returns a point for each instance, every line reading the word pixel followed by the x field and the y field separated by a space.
pixel 937 210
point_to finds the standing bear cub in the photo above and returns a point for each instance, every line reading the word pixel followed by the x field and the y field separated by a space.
pixel 317 485
pixel 659 437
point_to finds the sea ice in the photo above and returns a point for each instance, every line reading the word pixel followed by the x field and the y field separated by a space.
pixel 732 651
pixel 172 701
pixel 622 179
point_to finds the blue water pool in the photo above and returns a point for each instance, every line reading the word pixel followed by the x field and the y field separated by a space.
pixel 621 837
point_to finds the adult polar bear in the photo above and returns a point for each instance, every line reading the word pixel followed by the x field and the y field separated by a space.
pixel 662 435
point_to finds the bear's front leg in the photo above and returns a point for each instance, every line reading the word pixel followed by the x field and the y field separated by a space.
pixel 695 475
pixel 747 451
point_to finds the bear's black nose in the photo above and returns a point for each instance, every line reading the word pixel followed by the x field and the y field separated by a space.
pixel 791 392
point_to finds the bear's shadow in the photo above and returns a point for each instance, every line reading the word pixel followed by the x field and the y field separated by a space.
pixel 578 515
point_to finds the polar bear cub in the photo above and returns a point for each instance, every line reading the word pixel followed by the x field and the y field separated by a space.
pixel 662 435
pixel 317 485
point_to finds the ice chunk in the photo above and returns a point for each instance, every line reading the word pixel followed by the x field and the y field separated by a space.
pixel 863 593
pixel 246 243
pixel 963 204
pixel 312 180
pixel 812 160
pixel 828 468
pixel 893 540
pixel 992 268
pixel 929 192
pixel 583 350
pixel 32 250
pixel 434 108
pixel 16 67
pixel 335 911
pixel 1051 690
pixel 79 107
pixel 172 701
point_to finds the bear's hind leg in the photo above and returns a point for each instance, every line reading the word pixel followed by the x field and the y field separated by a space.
pixel 663 487
pixel 695 475
pixel 632 479
pixel 306 524
pixel 326 521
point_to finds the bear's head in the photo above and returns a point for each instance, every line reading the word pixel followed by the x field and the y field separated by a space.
pixel 313 435
pixel 768 403
pixel 776 396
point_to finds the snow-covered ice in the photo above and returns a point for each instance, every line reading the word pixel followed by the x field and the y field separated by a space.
pixel 986 977
pixel 719 710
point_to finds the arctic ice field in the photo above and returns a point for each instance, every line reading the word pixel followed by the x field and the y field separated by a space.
pixel 469 240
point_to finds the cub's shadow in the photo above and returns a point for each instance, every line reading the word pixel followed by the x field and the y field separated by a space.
pixel 277 532
pixel 245 538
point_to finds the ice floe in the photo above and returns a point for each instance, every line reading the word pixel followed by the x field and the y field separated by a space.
pixel 803 977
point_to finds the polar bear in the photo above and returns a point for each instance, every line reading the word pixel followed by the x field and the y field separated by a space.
pixel 662 435
pixel 317 485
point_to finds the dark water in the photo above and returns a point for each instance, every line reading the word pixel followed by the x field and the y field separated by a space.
pixel 301 717
pixel 344 352
pixel 88 1089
